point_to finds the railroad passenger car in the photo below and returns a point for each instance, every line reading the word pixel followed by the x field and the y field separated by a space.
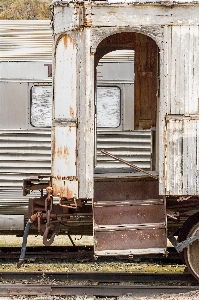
pixel 124 146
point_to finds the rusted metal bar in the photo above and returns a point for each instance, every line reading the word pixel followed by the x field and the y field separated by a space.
pixel 129 164
pixel 91 290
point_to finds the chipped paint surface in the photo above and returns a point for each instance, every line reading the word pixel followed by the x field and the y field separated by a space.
pixel 64 160
pixel 174 28
pixel 65 79
pixel 181 173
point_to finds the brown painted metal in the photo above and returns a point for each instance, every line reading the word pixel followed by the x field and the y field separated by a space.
pixel 129 217
pixel 124 189
pixel 130 239
pixel 128 212
pixel 34 183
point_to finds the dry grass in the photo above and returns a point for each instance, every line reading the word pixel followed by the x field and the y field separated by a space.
pixel 60 240
pixel 24 10
pixel 81 265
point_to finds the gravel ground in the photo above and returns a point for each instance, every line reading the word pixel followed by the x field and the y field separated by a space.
pixel 187 296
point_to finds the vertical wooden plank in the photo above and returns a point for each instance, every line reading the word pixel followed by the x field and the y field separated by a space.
pixel 178 52
pixel 186 30
pixel 146 56
pixel 64 81
pixel 164 106
pixel 194 103
pixel 64 120
pixel 185 160
pixel 170 54
pixel 86 116
pixel 173 68
pixel 168 157
pixel 182 80
pixel 197 157
pixel 174 157
pixel 190 72
pixel 191 156
pixel 177 157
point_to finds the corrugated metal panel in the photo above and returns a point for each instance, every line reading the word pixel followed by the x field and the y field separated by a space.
pixel 28 153
pixel 119 56
pixel 25 40
pixel 181 167
pixel 132 146
pixel 22 154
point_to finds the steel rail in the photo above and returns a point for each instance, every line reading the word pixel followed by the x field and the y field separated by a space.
pixel 100 290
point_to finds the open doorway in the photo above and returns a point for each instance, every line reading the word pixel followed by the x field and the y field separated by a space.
pixel 129 216
pixel 126 103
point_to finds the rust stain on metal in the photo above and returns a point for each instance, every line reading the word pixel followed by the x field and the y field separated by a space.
pixel 129 214
pixel 71 112
pixel 66 152
pixel 59 151
pixel 87 17
pixel 65 41
pixel 63 192
pixel 132 239
pixel 53 147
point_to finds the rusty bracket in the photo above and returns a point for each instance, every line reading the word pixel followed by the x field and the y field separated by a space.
pixel 47 241
pixel 34 183
pixel 183 198
pixel 184 244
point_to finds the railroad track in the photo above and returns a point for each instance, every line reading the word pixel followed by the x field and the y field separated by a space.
pixel 63 252
pixel 100 291
pixel 95 284
pixel 99 277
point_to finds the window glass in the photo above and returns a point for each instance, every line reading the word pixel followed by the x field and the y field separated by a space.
pixel 41 106
pixel 108 107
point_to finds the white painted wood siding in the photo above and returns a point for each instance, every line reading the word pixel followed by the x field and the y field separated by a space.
pixel 182 148
pixel 179 99
pixel 64 131
pixel 181 69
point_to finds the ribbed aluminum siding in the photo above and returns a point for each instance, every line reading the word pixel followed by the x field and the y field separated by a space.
pixel 25 40
pixel 119 56
pixel 22 154
pixel 134 147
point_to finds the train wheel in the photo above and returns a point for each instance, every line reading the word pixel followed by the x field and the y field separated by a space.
pixel 191 256
pixel 185 230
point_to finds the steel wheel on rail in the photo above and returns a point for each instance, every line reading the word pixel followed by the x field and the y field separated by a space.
pixel 191 253
pixel 185 230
